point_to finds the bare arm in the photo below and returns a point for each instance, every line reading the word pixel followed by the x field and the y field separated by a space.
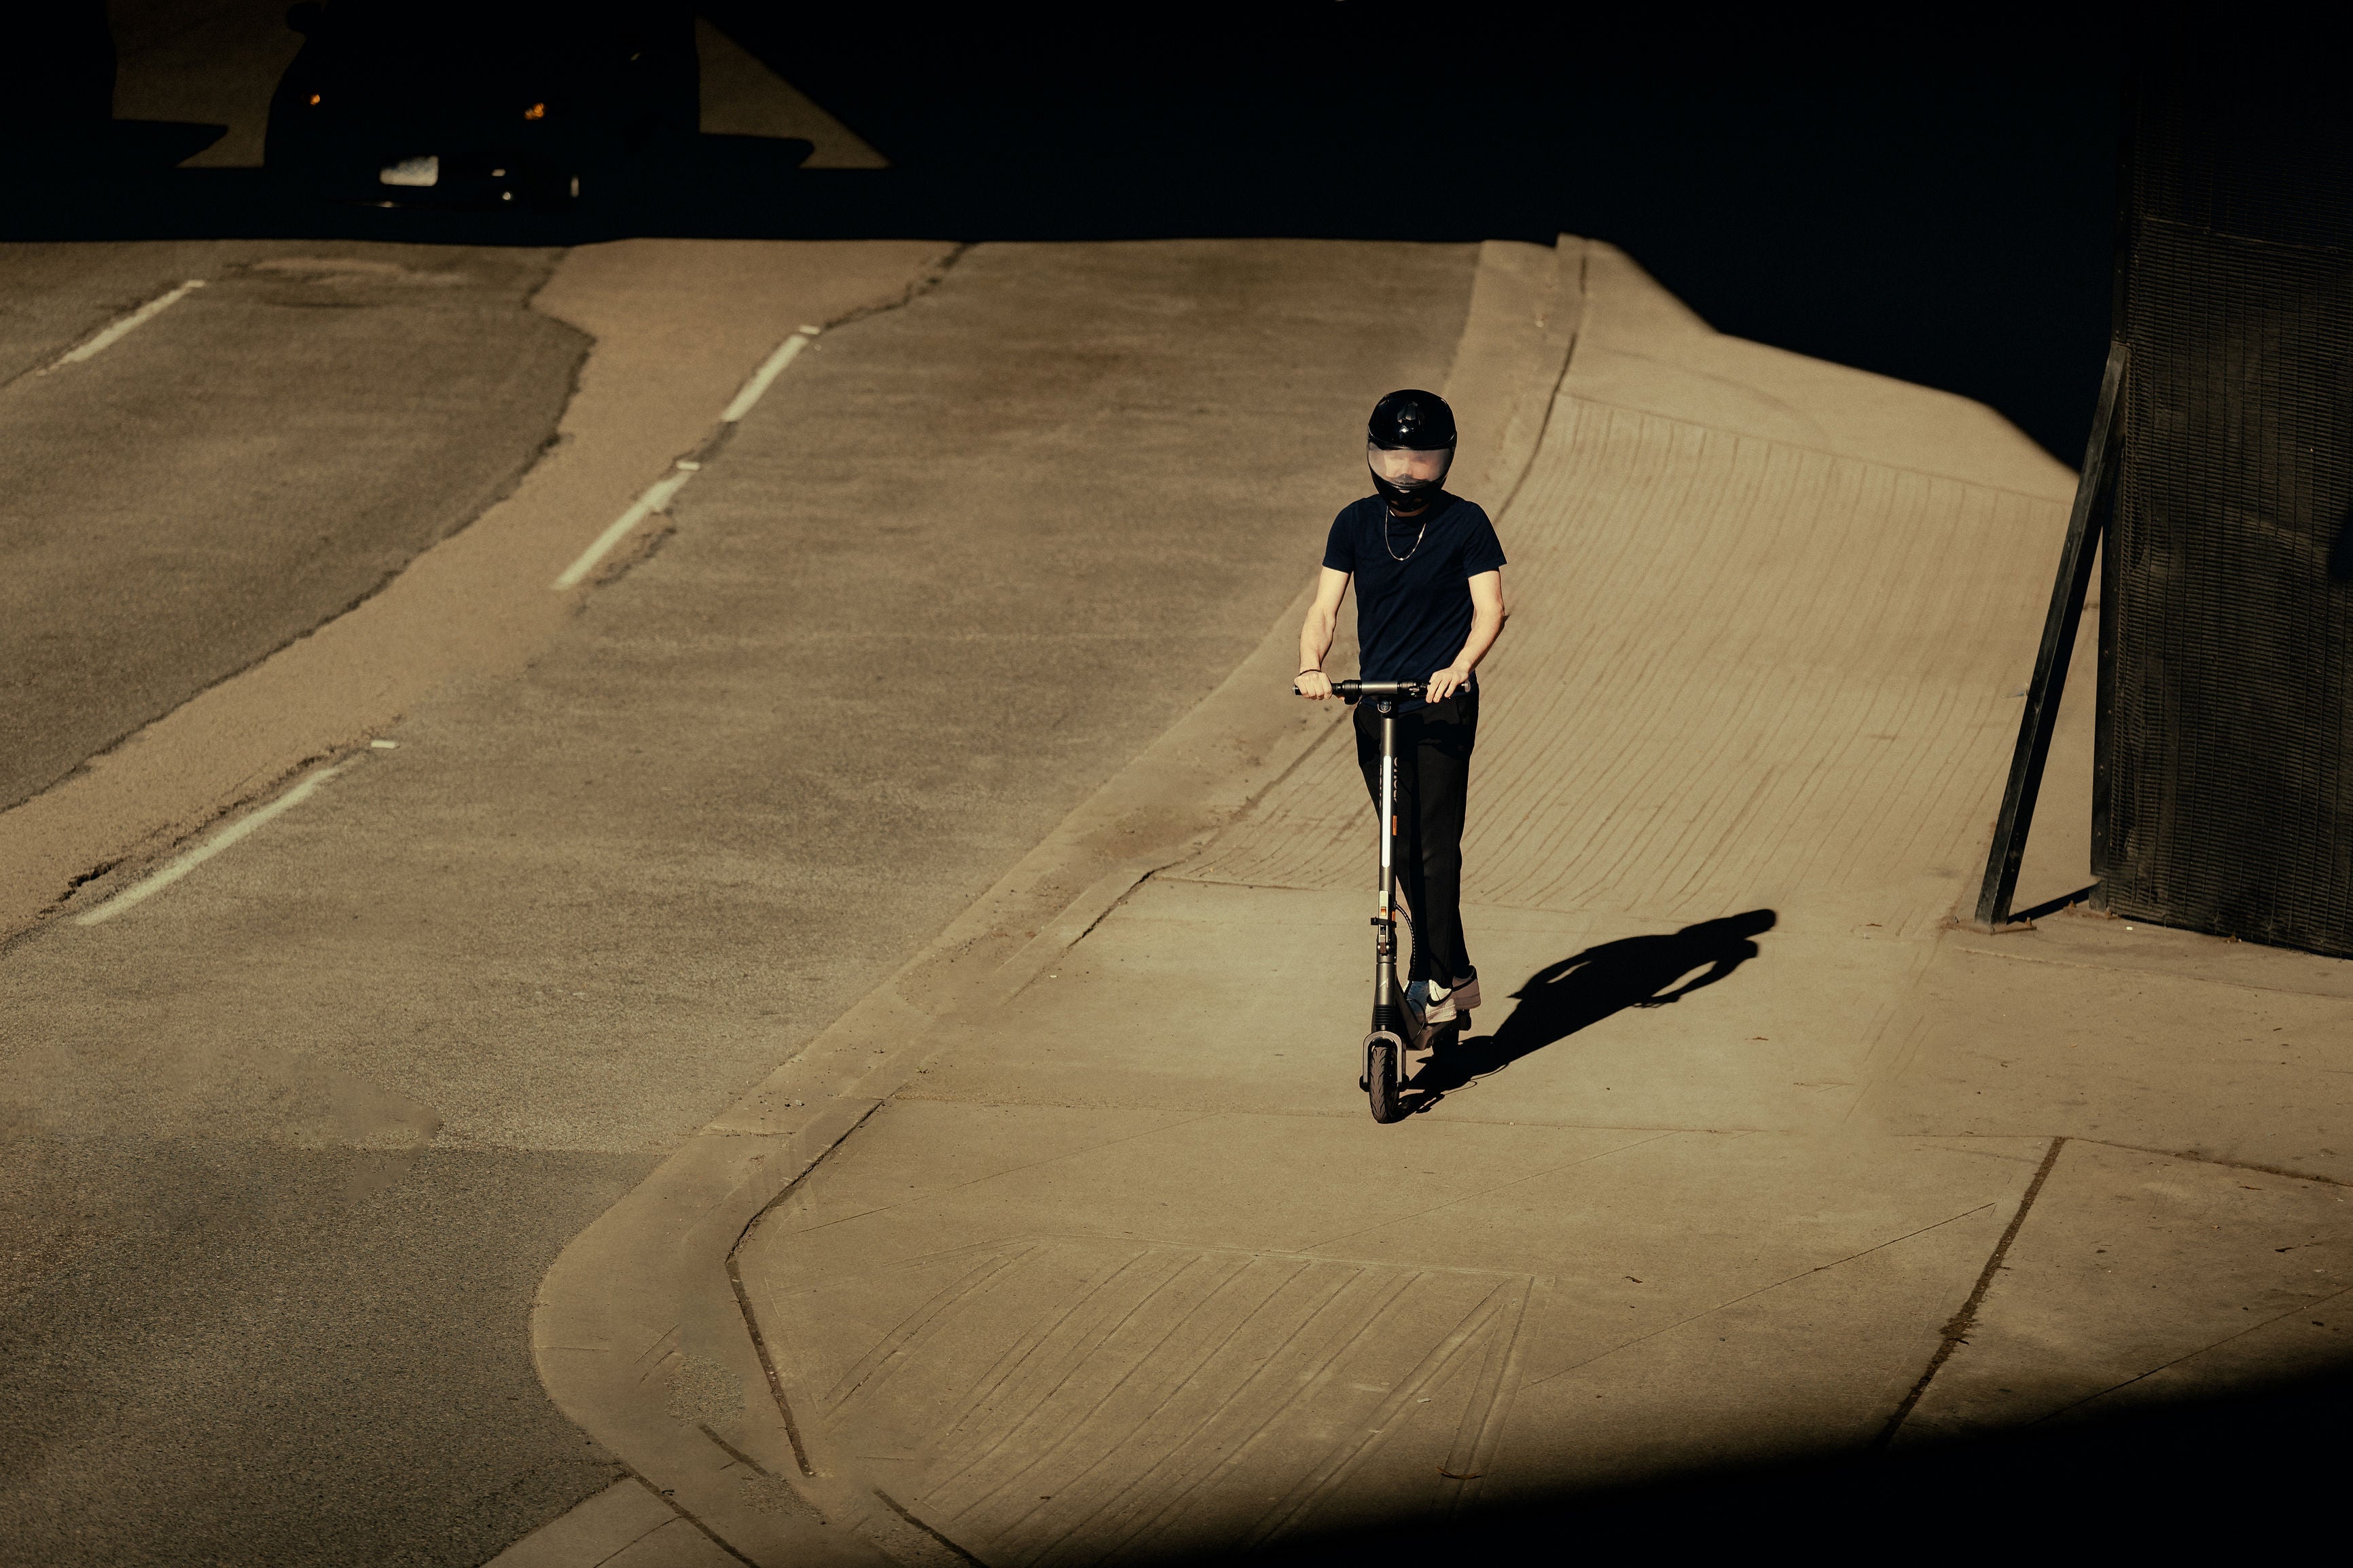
pixel 1487 617
pixel 1315 634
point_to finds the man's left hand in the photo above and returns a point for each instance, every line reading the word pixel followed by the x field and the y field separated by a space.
pixel 1446 683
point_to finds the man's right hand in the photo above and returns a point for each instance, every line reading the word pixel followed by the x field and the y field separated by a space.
pixel 1312 684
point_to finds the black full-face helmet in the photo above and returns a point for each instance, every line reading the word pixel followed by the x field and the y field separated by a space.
pixel 1409 445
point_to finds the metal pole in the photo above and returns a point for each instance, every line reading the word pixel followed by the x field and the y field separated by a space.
pixel 2059 627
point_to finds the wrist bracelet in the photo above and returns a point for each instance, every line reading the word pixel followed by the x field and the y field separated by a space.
pixel 1316 669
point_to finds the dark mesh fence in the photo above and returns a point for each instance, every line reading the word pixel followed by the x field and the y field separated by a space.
pixel 2228 681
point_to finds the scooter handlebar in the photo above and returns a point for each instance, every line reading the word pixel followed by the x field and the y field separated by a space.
pixel 1350 690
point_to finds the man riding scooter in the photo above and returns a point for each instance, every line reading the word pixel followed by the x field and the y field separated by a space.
pixel 1428 571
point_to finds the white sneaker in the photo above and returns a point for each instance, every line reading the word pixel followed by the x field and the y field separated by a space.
pixel 1438 1006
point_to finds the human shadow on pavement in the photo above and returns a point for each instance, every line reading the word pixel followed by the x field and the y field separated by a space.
pixel 1586 988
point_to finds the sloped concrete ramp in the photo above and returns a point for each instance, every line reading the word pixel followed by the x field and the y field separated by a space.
pixel 1076 1244
pixel 1122 1268
pixel 1739 672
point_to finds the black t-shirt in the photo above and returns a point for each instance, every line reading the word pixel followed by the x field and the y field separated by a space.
pixel 1413 600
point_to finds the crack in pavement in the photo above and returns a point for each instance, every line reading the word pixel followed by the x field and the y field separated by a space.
pixel 2279 1170
pixel 1957 1328
pixel 1761 1289
pixel 2191 1355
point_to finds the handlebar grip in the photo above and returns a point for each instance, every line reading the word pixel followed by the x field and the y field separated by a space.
pixel 1351 690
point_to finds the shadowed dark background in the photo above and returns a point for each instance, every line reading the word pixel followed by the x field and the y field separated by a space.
pixel 1928 194
pixel 1925 194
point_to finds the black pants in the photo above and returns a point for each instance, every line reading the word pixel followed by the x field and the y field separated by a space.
pixel 1433 780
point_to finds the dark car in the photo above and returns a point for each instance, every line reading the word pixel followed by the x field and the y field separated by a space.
pixel 522 103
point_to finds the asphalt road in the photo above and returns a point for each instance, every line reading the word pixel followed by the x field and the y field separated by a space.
pixel 290 1145
pixel 253 459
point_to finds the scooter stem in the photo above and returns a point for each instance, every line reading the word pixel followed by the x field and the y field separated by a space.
pixel 1385 920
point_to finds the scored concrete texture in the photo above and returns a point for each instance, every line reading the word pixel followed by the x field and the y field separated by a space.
pixel 1114 1264
pixel 304 1130
pixel 1818 738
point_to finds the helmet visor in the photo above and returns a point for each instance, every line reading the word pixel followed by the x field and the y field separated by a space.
pixel 1410 467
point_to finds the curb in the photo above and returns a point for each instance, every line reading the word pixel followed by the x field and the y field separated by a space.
pixel 1527 310
pixel 638 1329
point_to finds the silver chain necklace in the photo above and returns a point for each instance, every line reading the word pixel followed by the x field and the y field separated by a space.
pixel 1410 553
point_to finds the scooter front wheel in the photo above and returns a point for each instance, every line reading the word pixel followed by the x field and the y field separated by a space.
pixel 1384 1070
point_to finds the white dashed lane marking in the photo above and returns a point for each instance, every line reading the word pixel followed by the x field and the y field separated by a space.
pixel 116 332
pixel 658 494
pixel 770 368
pixel 664 490
pixel 188 860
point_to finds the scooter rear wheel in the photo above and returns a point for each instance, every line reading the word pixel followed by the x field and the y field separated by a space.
pixel 1382 1071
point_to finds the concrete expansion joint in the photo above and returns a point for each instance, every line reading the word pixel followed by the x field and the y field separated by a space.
pixel 957 1552
pixel 669 1499
pixel 2018 954
pixel 816 1159
pixel 1075 921
pixel 2192 1155
pixel 1956 1331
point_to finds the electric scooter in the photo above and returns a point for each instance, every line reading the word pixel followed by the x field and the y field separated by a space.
pixel 1393 1022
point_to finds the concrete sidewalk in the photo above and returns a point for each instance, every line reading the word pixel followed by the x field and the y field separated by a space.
pixel 1076 1243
